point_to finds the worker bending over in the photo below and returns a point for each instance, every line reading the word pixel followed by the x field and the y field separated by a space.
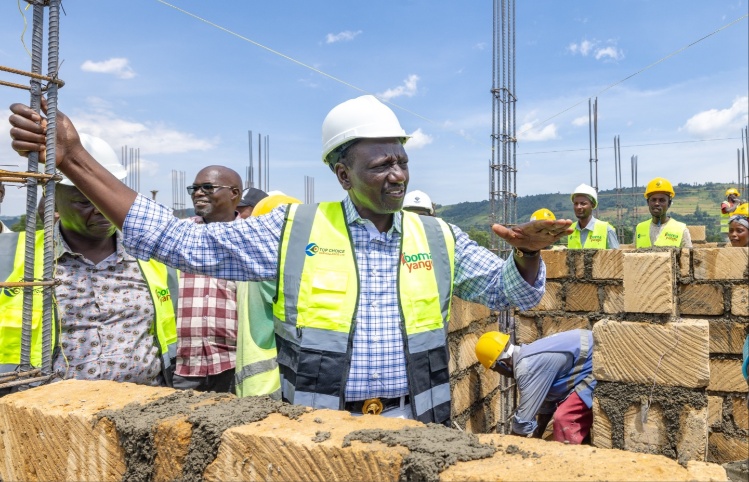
pixel 661 229
pixel 589 232
pixel 554 376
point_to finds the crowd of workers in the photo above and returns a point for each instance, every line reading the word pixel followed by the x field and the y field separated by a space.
pixel 338 305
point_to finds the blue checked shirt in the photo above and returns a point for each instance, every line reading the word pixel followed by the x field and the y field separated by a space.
pixel 247 250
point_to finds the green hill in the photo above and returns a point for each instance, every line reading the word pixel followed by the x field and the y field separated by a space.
pixel 694 204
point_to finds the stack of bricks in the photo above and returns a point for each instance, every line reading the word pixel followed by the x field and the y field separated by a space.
pixel 475 391
pixel 668 328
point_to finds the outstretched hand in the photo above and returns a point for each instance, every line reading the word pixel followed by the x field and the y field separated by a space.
pixel 534 235
pixel 30 129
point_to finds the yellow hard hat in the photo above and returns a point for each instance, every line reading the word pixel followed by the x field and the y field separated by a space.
pixel 659 184
pixel 733 191
pixel 268 204
pixel 490 346
pixel 742 210
pixel 543 213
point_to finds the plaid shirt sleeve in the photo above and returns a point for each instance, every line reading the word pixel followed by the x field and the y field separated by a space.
pixel 483 277
pixel 242 250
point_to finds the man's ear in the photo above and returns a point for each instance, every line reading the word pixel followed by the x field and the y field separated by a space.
pixel 341 172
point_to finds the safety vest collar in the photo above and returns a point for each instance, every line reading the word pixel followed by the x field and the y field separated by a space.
pixel 352 216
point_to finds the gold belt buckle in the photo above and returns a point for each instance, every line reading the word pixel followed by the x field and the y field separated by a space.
pixel 372 406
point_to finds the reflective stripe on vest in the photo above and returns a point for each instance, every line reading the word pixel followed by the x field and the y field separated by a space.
pixel 597 239
pixel 163 285
pixel 316 304
pixel 724 217
pixel 257 369
pixel 670 235
pixel 12 247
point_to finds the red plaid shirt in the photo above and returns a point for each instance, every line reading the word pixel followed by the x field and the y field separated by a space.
pixel 206 324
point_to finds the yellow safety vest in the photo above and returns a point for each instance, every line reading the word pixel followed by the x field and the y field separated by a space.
pixel 670 235
pixel 724 218
pixel 597 239
pixel 161 281
pixel 316 305
pixel 257 369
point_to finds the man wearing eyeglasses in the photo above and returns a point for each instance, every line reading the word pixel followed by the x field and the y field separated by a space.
pixel 364 288
pixel 207 310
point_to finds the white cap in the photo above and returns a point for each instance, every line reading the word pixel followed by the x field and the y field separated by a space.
pixel 585 190
pixel 276 193
pixel 419 200
pixel 103 153
pixel 364 117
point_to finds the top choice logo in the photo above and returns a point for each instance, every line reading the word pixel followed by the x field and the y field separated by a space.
pixel 312 249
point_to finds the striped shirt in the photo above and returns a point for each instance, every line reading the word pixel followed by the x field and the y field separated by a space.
pixel 248 250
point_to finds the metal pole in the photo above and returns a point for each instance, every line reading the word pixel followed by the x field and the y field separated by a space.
pixel 590 140
pixel 249 169
pixel 31 192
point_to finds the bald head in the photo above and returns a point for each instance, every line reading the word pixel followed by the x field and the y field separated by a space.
pixel 221 202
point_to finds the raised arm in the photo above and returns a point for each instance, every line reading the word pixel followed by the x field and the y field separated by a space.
pixel 108 194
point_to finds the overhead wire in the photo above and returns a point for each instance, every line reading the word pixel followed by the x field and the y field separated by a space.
pixel 664 143
pixel 300 63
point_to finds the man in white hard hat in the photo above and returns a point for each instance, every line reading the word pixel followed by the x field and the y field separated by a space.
pixel 364 288
pixel 418 202
pixel 589 232
pixel 115 313
pixel 554 376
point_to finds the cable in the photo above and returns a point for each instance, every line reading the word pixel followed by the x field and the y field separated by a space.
pixel 631 145
pixel 533 125
pixel 302 64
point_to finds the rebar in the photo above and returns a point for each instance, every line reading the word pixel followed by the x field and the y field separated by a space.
pixel 503 166
pixel 31 190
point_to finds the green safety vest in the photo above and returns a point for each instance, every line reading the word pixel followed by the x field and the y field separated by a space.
pixel 256 369
pixel 316 305
pixel 670 235
pixel 597 239
pixel 724 218
pixel 161 281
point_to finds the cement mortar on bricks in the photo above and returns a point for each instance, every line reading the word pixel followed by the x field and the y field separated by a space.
pixel 608 264
pixel 617 399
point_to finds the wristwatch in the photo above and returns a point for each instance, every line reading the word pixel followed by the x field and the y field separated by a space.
pixel 525 254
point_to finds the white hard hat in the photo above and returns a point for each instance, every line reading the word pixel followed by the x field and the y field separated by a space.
pixel 359 118
pixel 585 190
pixel 419 200
pixel 103 153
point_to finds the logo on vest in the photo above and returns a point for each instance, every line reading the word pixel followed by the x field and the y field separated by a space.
pixel 671 236
pixel 163 295
pixel 417 261
pixel 596 239
pixel 313 249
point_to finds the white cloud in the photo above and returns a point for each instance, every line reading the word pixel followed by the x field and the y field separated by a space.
pixel 152 137
pixel 419 139
pixel 480 46
pixel 610 52
pixel 606 52
pixel 120 67
pixel 528 133
pixel 714 121
pixel 409 89
pixel 345 36
pixel 580 121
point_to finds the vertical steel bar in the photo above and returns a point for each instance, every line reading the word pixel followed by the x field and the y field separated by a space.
pixel 31 192
pixel 53 48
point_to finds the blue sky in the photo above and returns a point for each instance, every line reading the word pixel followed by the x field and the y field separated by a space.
pixel 146 75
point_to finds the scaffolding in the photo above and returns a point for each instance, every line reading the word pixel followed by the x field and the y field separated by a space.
pixel 503 168
pixel 25 373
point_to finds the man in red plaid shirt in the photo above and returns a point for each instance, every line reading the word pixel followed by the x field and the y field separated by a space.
pixel 207 309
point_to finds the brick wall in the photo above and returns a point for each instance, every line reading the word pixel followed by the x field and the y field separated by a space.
pixel 668 327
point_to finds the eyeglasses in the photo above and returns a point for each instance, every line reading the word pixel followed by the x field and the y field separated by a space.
pixel 206 187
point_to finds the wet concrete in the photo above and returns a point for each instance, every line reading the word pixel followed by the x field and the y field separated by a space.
pixel 737 471
pixel 432 448
pixel 615 398
pixel 135 425
pixel 321 436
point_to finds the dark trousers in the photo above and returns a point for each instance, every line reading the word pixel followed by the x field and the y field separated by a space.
pixel 222 382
